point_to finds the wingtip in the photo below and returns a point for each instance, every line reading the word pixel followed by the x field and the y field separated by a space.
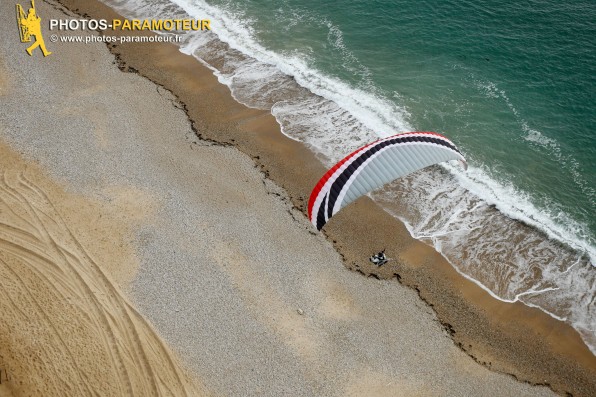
pixel 464 164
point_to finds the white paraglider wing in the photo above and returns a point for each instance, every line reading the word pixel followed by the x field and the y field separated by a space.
pixel 375 165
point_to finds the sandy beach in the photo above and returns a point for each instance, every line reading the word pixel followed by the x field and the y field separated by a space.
pixel 153 242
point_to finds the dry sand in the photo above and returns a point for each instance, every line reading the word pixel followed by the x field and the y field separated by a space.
pixel 228 271
pixel 66 328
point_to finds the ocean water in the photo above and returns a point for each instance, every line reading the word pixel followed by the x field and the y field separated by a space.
pixel 511 83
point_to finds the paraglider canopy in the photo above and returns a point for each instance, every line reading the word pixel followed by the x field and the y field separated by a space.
pixel 375 165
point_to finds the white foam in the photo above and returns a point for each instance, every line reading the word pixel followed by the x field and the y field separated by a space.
pixel 372 110
pixel 517 205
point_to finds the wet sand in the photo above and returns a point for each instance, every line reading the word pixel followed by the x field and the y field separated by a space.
pixel 227 258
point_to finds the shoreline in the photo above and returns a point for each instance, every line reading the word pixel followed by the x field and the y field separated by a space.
pixel 538 349
pixel 477 323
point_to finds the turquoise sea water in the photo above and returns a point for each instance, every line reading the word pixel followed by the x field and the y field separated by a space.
pixel 511 83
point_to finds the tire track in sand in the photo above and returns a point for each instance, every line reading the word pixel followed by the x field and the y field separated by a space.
pixel 63 317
